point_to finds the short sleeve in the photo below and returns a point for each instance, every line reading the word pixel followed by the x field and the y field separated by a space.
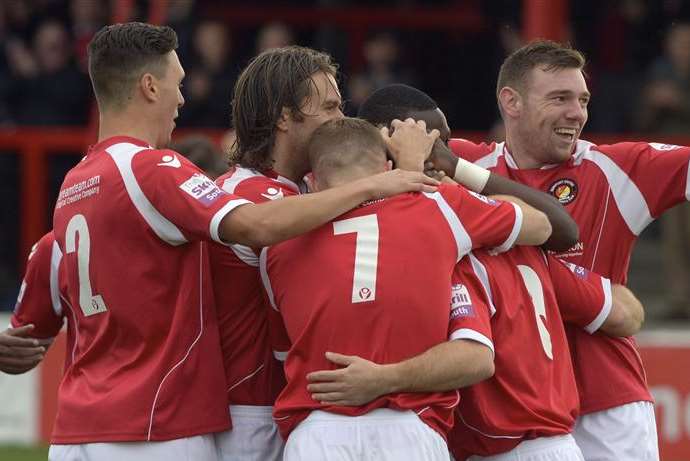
pixel 470 314
pixel 174 192
pixel 584 297
pixel 660 172
pixel 478 221
pixel 39 301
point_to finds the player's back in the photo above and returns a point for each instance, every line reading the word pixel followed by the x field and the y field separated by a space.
pixel 374 283
pixel 146 363
pixel 533 391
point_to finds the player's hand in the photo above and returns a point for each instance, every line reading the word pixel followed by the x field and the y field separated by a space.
pixel 442 158
pixel 399 181
pixel 409 143
pixel 20 353
pixel 438 175
pixel 358 383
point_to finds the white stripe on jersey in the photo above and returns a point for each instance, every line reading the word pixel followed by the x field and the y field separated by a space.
pixel 605 309
pixel 239 175
pixel 245 254
pixel 491 160
pixel 55 258
pixel 264 278
pixel 466 333
pixel 462 238
pixel 483 276
pixel 630 201
pixel 220 214
pixel 510 241
pixel 123 154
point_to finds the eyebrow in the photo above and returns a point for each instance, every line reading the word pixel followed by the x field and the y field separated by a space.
pixel 586 94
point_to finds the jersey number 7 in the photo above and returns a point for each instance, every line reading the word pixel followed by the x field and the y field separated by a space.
pixel 90 304
pixel 366 254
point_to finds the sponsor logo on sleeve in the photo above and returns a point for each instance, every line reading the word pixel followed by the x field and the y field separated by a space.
pixel 483 198
pixel 273 193
pixel 171 161
pixel 460 302
pixel 661 146
pixel 565 190
pixel 202 188
pixel 578 270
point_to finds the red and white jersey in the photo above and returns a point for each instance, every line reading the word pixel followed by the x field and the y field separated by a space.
pixel 613 192
pixel 516 312
pixel 39 295
pixel 146 361
pixel 375 283
pixel 253 375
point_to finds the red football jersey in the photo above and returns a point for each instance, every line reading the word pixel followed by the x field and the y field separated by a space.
pixel 39 295
pixel 146 362
pixel 613 192
pixel 375 283
pixel 253 375
pixel 533 392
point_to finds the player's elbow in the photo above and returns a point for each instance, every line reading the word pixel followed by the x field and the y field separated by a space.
pixel 249 225
pixel 536 229
pixel 483 366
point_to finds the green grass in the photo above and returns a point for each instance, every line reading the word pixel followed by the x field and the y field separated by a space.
pixel 17 453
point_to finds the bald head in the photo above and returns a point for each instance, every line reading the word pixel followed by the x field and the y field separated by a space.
pixel 344 150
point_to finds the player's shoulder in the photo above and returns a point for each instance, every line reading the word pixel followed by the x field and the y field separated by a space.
pixel 253 185
pixel 43 246
pixel 482 153
pixel 621 151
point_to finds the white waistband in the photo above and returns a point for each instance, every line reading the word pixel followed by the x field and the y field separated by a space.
pixel 251 411
pixel 543 443
pixel 379 414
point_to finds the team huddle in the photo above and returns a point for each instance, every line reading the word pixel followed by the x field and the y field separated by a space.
pixel 352 288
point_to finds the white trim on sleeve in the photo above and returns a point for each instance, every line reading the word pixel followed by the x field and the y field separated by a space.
pixel 264 277
pixel 245 254
pixel 473 335
pixel 123 154
pixel 462 238
pixel 220 214
pixel 510 241
pixel 55 258
pixel 605 309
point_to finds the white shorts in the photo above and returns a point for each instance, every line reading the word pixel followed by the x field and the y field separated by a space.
pixel 624 433
pixel 253 437
pixel 380 435
pixel 197 448
pixel 556 448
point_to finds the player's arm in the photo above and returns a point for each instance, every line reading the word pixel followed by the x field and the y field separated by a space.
pixel 446 366
pixel 565 231
pixel 536 226
pixel 627 313
pixel 275 221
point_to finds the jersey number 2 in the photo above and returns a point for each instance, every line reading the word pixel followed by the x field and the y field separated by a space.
pixel 536 292
pixel 366 254
pixel 90 304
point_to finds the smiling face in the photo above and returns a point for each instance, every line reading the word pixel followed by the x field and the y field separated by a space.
pixel 552 113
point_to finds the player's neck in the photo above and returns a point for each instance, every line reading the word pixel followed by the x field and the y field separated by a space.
pixel 284 164
pixel 519 150
pixel 124 124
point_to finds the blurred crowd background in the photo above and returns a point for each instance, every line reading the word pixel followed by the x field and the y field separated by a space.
pixel 639 75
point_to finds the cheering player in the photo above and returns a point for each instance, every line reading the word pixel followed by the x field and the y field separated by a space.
pixel 374 303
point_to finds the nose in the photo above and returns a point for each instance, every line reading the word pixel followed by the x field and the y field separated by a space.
pixel 577 112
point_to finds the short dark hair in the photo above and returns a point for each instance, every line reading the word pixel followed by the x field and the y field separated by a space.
pixel 344 143
pixel 545 53
pixel 394 101
pixel 120 53
pixel 276 78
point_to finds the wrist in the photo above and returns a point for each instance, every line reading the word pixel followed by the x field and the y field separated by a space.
pixel 470 175
pixel 391 379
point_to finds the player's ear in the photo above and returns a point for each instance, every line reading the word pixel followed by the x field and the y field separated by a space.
pixel 148 85
pixel 282 123
pixel 510 101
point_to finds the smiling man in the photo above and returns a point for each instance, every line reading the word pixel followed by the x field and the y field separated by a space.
pixel 613 192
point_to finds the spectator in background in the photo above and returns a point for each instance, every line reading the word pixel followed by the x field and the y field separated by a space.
pixel 210 78
pixel 666 110
pixel 383 67
pixel 202 152
pixel 48 88
pixel 274 35
pixel 86 17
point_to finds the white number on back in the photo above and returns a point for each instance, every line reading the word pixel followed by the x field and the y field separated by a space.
pixel 90 304
pixel 536 292
pixel 366 254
